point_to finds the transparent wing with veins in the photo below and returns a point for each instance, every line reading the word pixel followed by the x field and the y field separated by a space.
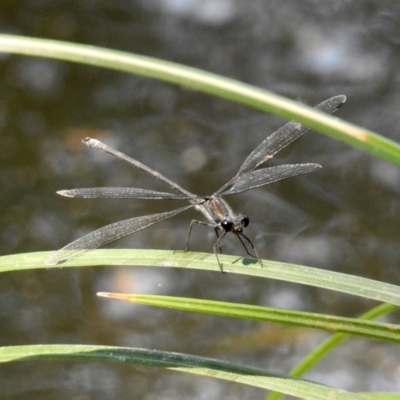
pixel 134 192
pixel 122 193
pixel 271 146
pixel 264 176
pixel 108 234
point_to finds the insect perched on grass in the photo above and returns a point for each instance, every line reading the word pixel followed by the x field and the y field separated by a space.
pixel 216 210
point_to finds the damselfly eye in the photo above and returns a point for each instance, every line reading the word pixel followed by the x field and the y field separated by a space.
pixel 245 220
pixel 227 225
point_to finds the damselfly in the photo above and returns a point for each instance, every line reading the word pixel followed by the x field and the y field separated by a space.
pixel 216 210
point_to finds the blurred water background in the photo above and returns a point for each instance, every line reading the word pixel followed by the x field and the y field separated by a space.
pixel 342 218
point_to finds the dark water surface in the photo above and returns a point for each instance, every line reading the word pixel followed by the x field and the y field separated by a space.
pixel 342 218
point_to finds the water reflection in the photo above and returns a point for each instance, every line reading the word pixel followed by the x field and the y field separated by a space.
pixel 343 219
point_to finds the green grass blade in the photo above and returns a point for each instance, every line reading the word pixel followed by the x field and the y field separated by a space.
pixel 382 292
pixel 330 344
pixel 354 326
pixel 380 396
pixel 206 82
pixel 178 362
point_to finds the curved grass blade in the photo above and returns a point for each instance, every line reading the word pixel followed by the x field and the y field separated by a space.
pixel 208 83
pixel 354 326
pixel 178 362
pixel 379 291
pixel 321 351
pixel 380 396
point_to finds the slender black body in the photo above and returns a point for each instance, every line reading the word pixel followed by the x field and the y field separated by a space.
pixel 215 209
